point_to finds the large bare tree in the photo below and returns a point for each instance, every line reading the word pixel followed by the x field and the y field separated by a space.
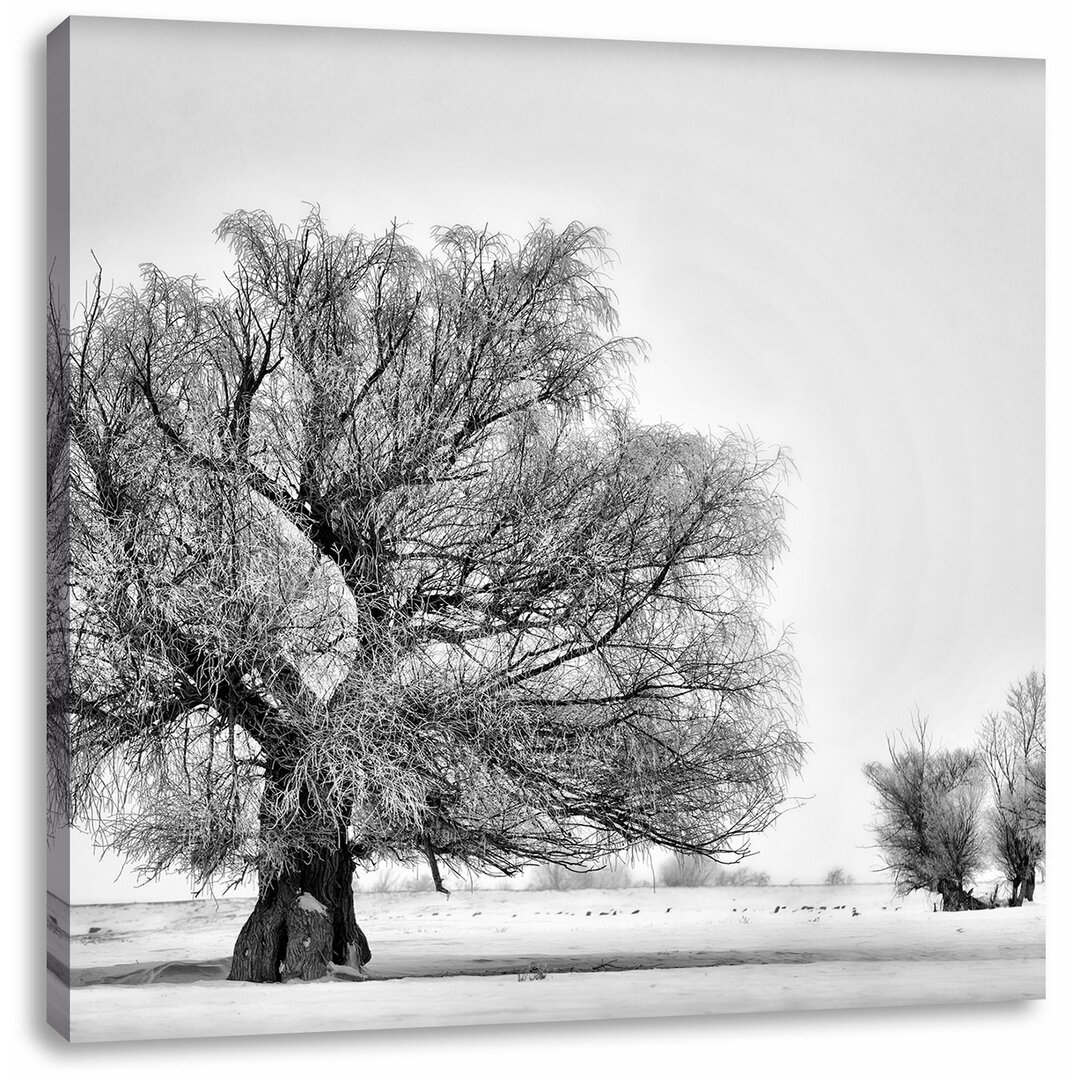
pixel 1013 745
pixel 371 560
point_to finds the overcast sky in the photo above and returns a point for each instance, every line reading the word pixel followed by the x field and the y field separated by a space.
pixel 841 253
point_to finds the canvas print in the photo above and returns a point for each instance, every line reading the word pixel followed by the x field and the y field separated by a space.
pixel 538 530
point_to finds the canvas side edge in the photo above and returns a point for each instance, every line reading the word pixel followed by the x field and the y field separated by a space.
pixel 58 267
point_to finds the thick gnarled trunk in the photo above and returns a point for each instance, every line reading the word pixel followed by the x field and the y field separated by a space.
pixel 303 921
pixel 954 897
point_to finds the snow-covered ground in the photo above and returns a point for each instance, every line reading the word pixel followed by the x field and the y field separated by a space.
pixel 141 971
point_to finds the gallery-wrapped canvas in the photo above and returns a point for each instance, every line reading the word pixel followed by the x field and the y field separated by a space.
pixel 538 529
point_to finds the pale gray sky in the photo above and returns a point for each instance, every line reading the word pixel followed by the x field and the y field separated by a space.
pixel 840 252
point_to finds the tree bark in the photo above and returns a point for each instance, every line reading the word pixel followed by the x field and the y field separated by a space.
pixel 328 878
pixel 308 939
pixel 271 945
pixel 259 952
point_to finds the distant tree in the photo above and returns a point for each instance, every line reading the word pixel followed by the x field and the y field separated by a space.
pixel 1013 745
pixel 370 561
pixel 554 877
pixel 837 876
pixel 695 872
pixel 559 878
pixel 928 824
pixel 741 876
pixel 688 871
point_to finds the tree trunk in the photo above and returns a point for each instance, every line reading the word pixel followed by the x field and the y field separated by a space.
pixel 950 896
pixel 308 939
pixel 1029 886
pixel 955 898
pixel 259 952
pixel 303 921
pixel 328 878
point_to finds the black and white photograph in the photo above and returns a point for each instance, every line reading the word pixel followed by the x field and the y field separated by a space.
pixel 539 529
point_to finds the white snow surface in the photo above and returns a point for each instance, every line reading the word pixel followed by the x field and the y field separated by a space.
pixel 307 902
pixel 154 971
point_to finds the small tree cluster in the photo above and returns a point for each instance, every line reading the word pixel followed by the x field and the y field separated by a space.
pixel 946 814
pixel 1013 746
pixel 695 872
pixel 929 804
pixel 687 871
pixel 552 876
pixel 740 876
pixel 838 876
